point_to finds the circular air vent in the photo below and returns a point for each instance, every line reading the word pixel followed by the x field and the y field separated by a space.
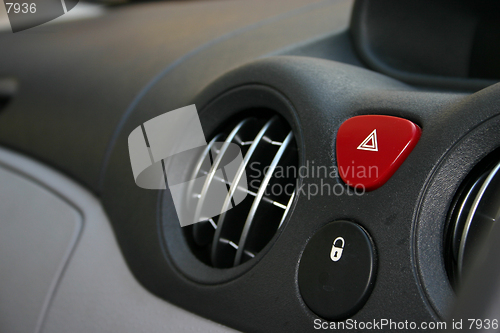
pixel 476 209
pixel 270 163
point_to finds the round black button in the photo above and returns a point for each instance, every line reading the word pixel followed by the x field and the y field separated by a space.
pixel 337 270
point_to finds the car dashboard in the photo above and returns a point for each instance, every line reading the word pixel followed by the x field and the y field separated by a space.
pixel 368 132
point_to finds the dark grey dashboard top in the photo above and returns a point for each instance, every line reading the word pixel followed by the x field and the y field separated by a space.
pixel 77 80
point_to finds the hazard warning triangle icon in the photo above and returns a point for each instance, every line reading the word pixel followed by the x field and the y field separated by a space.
pixel 370 143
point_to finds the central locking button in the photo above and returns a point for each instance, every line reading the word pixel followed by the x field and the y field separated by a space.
pixel 337 270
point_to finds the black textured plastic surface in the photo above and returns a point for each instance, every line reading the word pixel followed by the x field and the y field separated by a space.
pixel 438 43
pixel 318 95
pixel 438 196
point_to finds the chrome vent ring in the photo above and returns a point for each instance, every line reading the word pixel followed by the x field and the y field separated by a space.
pixel 270 163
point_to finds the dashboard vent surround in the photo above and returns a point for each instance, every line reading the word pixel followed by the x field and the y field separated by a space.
pixel 475 210
pixel 270 160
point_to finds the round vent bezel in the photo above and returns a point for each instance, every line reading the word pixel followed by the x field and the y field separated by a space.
pixel 434 205
pixel 229 105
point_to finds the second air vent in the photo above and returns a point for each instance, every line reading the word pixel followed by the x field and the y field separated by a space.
pixel 270 161
pixel 475 210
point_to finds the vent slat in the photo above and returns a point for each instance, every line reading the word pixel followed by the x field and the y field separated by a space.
pixel 239 173
pixel 199 164
pixel 240 232
pixel 214 168
pixel 258 198
pixel 472 214
pixel 227 241
pixel 290 201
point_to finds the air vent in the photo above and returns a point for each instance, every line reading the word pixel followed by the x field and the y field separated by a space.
pixel 476 209
pixel 270 160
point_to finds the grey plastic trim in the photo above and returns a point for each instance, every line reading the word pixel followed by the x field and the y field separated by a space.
pixel 38 231
pixel 96 291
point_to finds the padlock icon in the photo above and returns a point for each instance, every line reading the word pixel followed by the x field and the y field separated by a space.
pixel 336 252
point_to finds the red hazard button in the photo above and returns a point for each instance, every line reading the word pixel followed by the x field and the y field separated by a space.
pixel 371 148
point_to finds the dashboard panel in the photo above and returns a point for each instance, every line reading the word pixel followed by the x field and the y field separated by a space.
pixel 330 90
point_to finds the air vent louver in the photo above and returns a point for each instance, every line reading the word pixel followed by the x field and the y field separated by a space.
pixel 476 209
pixel 270 160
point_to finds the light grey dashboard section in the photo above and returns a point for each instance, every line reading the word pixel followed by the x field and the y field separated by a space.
pixel 62 270
pixel 38 229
